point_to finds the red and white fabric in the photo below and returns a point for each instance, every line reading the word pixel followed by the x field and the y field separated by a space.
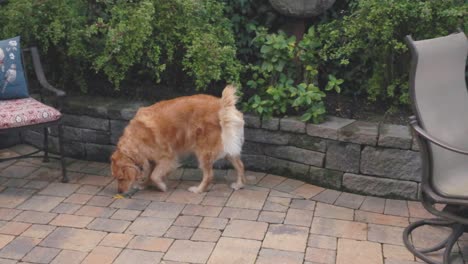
pixel 24 112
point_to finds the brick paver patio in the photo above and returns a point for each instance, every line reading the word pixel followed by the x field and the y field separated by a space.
pixel 272 220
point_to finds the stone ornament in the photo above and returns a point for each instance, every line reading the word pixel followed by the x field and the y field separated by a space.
pixel 301 8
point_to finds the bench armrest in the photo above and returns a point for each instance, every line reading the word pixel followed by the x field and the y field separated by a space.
pixel 40 74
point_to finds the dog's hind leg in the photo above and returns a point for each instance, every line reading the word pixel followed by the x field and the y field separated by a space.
pixel 206 164
pixel 163 168
pixel 239 166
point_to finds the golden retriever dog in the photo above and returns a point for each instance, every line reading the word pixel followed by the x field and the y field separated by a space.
pixel 210 127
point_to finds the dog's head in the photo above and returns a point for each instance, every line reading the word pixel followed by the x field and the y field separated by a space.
pixel 124 170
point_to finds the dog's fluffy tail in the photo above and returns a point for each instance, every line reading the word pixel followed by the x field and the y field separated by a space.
pixel 232 123
pixel 229 97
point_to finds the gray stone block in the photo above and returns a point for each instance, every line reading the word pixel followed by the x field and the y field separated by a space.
pixel 86 122
pixel 117 127
pixel 292 124
pixel 391 163
pixel 252 121
pixel 291 153
pixel 101 153
pixel 254 162
pixel 124 110
pixel 270 123
pixel 360 132
pixel 343 156
pixel 95 136
pixel 33 138
pixel 252 148
pixel 380 187
pixel 328 129
pixel 308 142
pixel 73 149
pixel 9 139
pixel 71 133
pixel 264 136
pixel 326 178
pixel 395 136
pixel 88 105
pixel 287 168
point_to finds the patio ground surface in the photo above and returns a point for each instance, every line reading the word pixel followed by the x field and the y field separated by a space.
pixel 273 220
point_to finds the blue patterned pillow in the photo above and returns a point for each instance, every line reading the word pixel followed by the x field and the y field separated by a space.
pixel 12 81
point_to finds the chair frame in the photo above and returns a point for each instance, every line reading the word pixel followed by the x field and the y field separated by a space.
pixel 59 95
pixel 455 213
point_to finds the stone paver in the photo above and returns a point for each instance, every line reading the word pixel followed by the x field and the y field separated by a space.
pixel 207 235
pixel 322 256
pixel 358 252
pixel 19 247
pixel 149 226
pixel 163 210
pixel 268 256
pixel 246 229
pixel 41 255
pixel 69 257
pixel 286 237
pixel 324 242
pixel 339 228
pixel 299 217
pixel 73 239
pixel 38 231
pixel 143 257
pixel 41 203
pixel 109 225
pixel 150 243
pixel 189 251
pixel 272 220
pixel 247 199
pixel 235 250
pixel 35 217
pixel 116 240
pixel 332 211
pixel 102 255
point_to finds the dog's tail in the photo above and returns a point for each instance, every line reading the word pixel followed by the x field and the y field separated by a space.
pixel 232 122
pixel 229 97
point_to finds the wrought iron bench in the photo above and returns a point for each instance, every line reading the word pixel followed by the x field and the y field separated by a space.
pixel 17 115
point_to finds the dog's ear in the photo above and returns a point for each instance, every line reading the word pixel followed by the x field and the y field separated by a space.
pixel 129 173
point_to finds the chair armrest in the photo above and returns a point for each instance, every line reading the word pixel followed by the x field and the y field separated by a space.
pixel 40 74
pixel 423 133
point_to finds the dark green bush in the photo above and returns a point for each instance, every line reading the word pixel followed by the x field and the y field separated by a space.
pixel 126 40
pixel 366 48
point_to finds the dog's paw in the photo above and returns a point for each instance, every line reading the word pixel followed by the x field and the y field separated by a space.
pixel 161 186
pixel 236 186
pixel 195 189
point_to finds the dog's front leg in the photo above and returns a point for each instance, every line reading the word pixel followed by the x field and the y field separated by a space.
pixel 163 168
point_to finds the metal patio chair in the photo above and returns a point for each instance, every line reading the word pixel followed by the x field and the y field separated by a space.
pixel 40 114
pixel 440 104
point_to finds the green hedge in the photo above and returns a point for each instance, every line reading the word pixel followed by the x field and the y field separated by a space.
pixel 127 40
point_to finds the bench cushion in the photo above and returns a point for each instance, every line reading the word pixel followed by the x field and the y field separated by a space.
pixel 24 112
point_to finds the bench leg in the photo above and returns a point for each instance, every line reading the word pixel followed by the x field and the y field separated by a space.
pixel 46 144
pixel 62 158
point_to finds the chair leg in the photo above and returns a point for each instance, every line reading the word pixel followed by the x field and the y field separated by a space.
pixel 448 243
pixel 62 158
pixel 46 145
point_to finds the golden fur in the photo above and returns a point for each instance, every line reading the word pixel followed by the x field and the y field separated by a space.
pixel 210 127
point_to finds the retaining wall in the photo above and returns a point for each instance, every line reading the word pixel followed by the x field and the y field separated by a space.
pixel 344 154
